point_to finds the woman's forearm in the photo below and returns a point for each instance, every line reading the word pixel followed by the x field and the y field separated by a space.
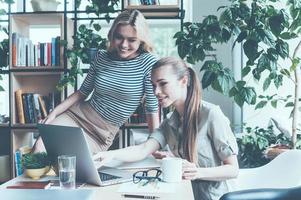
pixel 134 153
pixel 67 103
pixel 226 171
pixel 220 173
pixel 152 121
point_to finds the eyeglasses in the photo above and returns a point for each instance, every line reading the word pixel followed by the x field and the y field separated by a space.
pixel 150 175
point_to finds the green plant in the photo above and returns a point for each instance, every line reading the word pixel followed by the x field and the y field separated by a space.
pixel 35 160
pixel 264 28
pixel 103 6
pixel 4 45
pixel 86 40
pixel 254 142
pixel 4 50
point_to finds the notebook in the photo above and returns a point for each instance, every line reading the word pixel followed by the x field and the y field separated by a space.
pixel 30 185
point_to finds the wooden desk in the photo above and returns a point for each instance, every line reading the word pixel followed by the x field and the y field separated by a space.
pixel 183 191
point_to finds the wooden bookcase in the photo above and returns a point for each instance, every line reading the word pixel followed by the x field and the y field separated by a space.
pixel 44 79
pixel 36 79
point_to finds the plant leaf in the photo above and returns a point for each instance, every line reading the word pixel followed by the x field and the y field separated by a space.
pixel 282 48
pixel 250 49
pixel 245 71
pixel 274 103
pixel 97 27
pixel 208 78
pixel 261 104
pixel 266 83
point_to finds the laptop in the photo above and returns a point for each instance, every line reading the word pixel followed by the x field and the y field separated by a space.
pixel 64 140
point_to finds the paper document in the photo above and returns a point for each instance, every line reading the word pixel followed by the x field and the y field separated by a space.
pixel 149 162
pixel 155 187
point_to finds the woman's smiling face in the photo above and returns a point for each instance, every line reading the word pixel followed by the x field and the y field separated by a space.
pixel 168 88
pixel 125 42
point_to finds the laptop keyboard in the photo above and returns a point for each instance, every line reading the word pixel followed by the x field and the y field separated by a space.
pixel 105 177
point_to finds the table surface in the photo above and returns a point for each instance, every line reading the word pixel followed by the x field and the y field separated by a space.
pixel 182 191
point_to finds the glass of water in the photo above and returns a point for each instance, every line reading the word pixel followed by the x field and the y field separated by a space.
pixel 67 168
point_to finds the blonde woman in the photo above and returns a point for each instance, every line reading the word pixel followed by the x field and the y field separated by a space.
pixel 116 81
pixel 197 131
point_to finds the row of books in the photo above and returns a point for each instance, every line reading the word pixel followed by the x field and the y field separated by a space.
pixel 25 53
pixel 32 107
pixel 148 2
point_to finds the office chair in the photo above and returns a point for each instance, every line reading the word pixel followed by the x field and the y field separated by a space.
pixel 265 194
pixel 282 172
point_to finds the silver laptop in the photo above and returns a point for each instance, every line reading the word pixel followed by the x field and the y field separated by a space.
pixel 64 140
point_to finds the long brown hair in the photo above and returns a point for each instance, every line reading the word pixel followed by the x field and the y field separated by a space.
pixel 192 104
pixel 138 22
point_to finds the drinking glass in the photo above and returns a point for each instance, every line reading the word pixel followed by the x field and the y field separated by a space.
pixel 67 168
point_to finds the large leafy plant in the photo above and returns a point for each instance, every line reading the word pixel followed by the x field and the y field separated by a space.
pixel 4 47
pixel 264 29
pixel 253 144
pixel 87 39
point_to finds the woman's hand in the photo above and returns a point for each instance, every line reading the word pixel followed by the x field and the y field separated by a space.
pixel 162 154
pixel 49 118
pixel 104 157
pixel 190 170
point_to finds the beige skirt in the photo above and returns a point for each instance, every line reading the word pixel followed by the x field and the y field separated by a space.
pixel 98 132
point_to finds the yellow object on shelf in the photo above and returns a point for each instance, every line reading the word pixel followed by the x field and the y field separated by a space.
pixel 36 173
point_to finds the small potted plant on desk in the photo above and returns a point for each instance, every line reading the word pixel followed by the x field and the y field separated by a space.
pixel 36 164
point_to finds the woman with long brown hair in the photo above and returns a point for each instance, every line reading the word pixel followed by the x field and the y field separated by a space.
pixel 197 131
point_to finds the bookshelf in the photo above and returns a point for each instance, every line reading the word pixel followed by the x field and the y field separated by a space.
pixel 32 72
pixel 42 80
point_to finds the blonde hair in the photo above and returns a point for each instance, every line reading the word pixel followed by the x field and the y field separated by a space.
pixel 138 22
pixel 192 105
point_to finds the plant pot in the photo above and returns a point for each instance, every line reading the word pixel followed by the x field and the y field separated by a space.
pixel 91 53
pixel 35 173
pixel 44 5
pixel 273 152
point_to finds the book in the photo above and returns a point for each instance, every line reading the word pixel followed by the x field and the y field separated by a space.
pixel 57 51
pixel 18 163
pixel 14 48
pixel 30 185
pixel 19 106
pixel 37 107
pixel 31 110
pixel 42 107
pixel 25 108
pixel 53 46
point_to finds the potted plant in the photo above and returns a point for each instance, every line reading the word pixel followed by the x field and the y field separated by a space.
pixel 35 164
pixel 87 42
pixel 44 5
pixel 100 7
pixel 255 142
pixel 264 30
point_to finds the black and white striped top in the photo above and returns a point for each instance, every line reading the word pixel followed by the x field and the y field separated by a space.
pixel 118 86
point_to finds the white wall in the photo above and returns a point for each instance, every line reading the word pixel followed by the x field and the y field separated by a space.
pixel 201 8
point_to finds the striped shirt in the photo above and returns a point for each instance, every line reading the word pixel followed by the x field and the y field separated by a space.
pixel 118 86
